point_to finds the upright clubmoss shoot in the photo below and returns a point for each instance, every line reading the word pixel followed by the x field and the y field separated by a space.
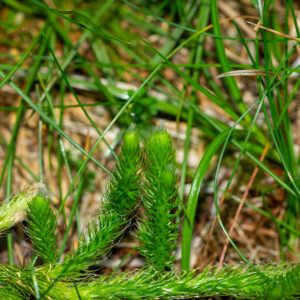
pixel 123 191
pixel 42 225
pixel 158 232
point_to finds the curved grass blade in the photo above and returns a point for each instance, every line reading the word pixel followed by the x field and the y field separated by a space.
pixel 193 198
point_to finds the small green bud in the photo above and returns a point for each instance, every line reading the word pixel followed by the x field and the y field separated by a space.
pixel 160 139
pixel 131 142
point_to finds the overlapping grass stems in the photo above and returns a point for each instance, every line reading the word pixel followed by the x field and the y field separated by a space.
pixel 64 277
pixel 154 182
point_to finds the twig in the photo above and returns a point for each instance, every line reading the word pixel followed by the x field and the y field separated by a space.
pixel 257 26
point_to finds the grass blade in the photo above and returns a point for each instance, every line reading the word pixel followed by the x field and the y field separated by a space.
pixel 193 198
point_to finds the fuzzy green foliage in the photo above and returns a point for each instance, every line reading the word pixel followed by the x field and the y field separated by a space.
pixel 42 225
pixel 158 233
pixel 123 191
pixel 120 200
pixel 148 284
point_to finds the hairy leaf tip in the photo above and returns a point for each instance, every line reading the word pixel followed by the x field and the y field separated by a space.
pixel 161 140
pixel 131 142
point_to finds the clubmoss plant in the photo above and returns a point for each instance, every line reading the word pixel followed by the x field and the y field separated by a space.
pixel 41 228
pixel 70 277
pixel 115 213
pixel 158 232
pixel 123 191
